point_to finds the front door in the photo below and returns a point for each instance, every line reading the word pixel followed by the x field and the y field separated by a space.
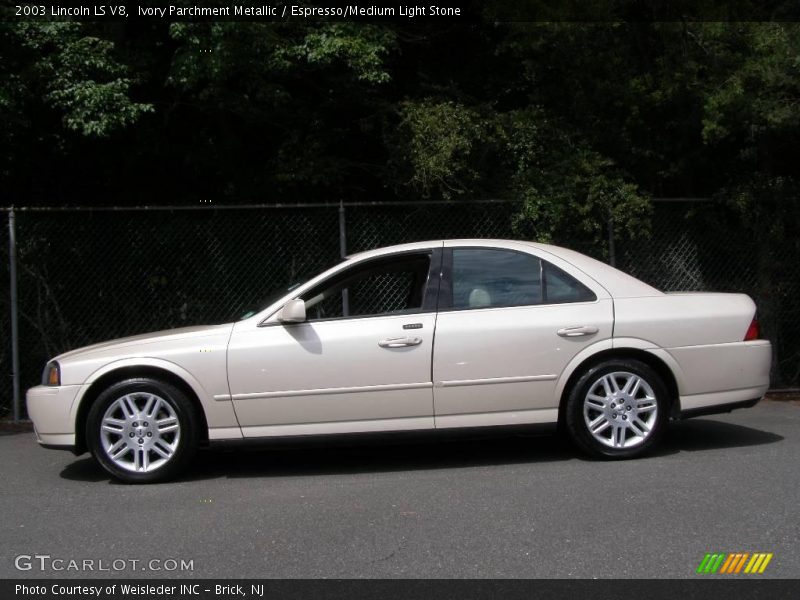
pixel 361 361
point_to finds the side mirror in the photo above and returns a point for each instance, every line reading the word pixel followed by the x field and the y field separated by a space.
pixel 294 311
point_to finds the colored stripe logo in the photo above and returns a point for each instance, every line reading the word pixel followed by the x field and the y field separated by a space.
pixel 734 563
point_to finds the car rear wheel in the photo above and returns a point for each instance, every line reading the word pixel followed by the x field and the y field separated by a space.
pixel 617 409
pixel 142 430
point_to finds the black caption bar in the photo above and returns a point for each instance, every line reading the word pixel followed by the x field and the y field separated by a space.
pixel 416 589
pixel 431 10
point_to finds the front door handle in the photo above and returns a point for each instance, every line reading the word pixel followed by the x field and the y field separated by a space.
pixel 400 342
pixel 577 330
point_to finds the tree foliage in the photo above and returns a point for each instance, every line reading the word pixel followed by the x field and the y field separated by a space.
pixel 441 146
pixel 78 76
pixel 580 121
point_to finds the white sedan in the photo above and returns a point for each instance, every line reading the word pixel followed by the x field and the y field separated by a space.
pixel 425 336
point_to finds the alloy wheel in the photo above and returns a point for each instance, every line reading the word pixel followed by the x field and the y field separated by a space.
pixel 140 432
pixel 620 410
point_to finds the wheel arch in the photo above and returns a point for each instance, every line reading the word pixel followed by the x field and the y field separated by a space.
pixel 120 372
pixel 655 361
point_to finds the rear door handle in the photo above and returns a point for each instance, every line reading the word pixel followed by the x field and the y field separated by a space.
pixel 577 330
pixel 400 342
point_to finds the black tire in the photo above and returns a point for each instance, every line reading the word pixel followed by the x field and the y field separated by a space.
pixel 576 415
pixel 140 388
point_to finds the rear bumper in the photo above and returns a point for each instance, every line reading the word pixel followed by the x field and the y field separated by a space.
pixel 49 408
pixel 720 377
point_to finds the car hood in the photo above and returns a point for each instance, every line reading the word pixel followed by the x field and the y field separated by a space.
pixel 143 339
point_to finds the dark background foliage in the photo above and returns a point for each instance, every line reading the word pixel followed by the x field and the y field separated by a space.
pixel 576 119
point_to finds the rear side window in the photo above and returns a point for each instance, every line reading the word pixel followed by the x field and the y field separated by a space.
pixel 491 277
pixel 561 287
pixel 485 277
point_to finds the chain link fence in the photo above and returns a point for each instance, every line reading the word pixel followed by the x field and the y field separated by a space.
pixel 88 275
pixel 705 246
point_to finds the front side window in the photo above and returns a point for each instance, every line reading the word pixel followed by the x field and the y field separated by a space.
pixel 382 286
pixel 492 277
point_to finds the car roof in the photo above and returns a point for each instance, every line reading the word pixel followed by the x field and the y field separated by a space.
pixel 616 282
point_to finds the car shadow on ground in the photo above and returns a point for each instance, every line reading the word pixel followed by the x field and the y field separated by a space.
pixel 707 434
pixel 7 432
pixel 12 428
pixel 340 458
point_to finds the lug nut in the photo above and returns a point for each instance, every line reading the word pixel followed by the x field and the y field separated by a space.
pixel 141 441
pixel 135 424
pixel 627 408
pixel 149 434
pixel 614 415
pixel 145 424
pixel 131 434
pixel 624 417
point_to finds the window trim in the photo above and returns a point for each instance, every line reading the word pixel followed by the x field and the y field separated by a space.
pixel 546 263
pixel 446 285
pixel 430 293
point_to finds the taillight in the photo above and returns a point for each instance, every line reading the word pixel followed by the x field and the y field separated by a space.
pixel 753 332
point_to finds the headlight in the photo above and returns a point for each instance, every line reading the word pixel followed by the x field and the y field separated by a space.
pixel 52 374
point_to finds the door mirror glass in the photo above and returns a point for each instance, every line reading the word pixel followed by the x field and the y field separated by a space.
pixel 293 311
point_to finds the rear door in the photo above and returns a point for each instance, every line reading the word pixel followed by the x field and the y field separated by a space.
pixel 509 322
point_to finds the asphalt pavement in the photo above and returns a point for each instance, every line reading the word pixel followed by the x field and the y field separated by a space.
pixel 516 506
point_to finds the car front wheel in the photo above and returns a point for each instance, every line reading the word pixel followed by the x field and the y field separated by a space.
pixel 142 430
pixel 617 409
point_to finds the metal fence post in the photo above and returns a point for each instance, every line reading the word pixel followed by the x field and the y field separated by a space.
pixel 612 251
pixel 342 231
pixel 12 273
pixel 342 254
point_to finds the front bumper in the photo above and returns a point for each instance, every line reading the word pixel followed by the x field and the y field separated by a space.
pixel 49 407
